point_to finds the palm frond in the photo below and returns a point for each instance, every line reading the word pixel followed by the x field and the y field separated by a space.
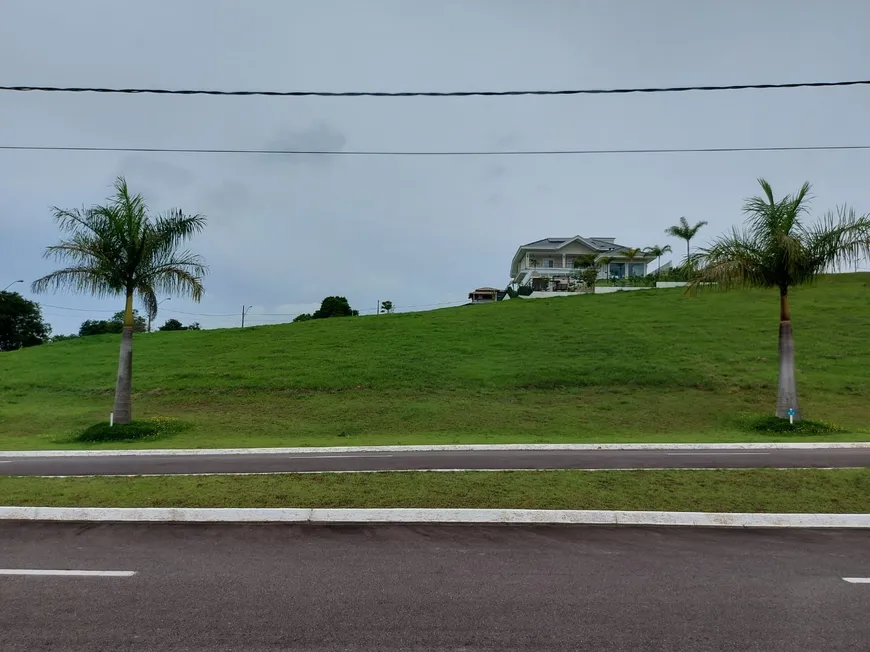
pixel 149 300
pixel 178 280
pixel 76 279
pixel 733 261
pixel 841 238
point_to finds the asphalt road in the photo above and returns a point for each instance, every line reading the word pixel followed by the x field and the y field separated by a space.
pixel 317 462
pixel 259 588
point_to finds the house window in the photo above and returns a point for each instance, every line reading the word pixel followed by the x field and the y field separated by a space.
pixel 636 269
pixel 550 262
pixel 617 270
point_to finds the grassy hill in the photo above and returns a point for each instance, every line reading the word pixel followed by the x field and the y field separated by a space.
pixel 632 366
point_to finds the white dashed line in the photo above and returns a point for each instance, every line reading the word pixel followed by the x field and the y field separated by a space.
pixel 857 580
pixel 717 453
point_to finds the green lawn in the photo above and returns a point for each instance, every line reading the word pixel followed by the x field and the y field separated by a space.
pixel 631 366
pixel 812 491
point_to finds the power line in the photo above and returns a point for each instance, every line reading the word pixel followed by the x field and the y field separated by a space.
pixel 48 305
pixel 199 314
pixel 522 152
pixel 583 91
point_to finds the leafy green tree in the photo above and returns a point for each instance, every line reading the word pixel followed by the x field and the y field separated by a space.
pixel 657 251
pixel 334 307
pixel 21 322
pixel 139 323
pixel 63 338
pixel 120 249
pixel 777 249
pixel 303 317
pixel 172 325
pixel 589 276
pixel 387 306
pixel 686 232
pixel 194 326
pixel 95 327
pixel 113 325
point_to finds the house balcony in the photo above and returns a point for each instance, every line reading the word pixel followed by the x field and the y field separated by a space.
pixel 619 270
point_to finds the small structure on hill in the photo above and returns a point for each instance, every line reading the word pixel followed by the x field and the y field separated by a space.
pixel 485 295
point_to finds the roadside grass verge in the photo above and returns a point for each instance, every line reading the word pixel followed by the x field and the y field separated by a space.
pixel 757 490
pixel 648 366
pixel 369 417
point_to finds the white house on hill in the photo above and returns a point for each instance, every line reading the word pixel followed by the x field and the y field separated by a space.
pixel 549 263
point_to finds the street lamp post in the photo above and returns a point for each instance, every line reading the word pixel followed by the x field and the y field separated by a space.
pixel 158 305
pixel 13 283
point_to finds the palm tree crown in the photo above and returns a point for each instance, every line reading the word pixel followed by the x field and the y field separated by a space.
pixel 686 232
pixel 120 250
pixel 584 260
pixel 777 249
pixel 657 251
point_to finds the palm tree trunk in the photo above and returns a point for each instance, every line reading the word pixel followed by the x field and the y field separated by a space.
pixel 787 398
pixel 123 409
pixel 688 252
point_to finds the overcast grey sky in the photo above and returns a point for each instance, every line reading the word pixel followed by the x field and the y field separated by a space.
pixel 284 232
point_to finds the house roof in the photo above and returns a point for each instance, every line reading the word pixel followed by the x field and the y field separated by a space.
pixel 485 290
pixel 599 244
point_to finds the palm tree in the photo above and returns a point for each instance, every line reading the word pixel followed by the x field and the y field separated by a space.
pixel 584 260
pixel 657 251
pixel 686 232
pixel 120 249
pixel 631 254
pixel 776 249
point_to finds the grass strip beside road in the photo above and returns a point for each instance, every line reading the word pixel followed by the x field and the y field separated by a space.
pixel 757 490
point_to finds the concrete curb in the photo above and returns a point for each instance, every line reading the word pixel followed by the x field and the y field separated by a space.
pixel 434 448
pixel 424 516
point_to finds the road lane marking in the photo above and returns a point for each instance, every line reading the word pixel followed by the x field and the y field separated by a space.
pixel 331 457
pixel 857 580
pixel 65 573
pixel 718 453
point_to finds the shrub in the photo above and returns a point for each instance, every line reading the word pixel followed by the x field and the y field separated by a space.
pixel 134 431
pixel 774 425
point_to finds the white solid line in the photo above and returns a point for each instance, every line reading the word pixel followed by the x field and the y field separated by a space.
pixel 420 516
pixel 65 573
pixel 857 580
pixel 719 453
pixel 438 448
